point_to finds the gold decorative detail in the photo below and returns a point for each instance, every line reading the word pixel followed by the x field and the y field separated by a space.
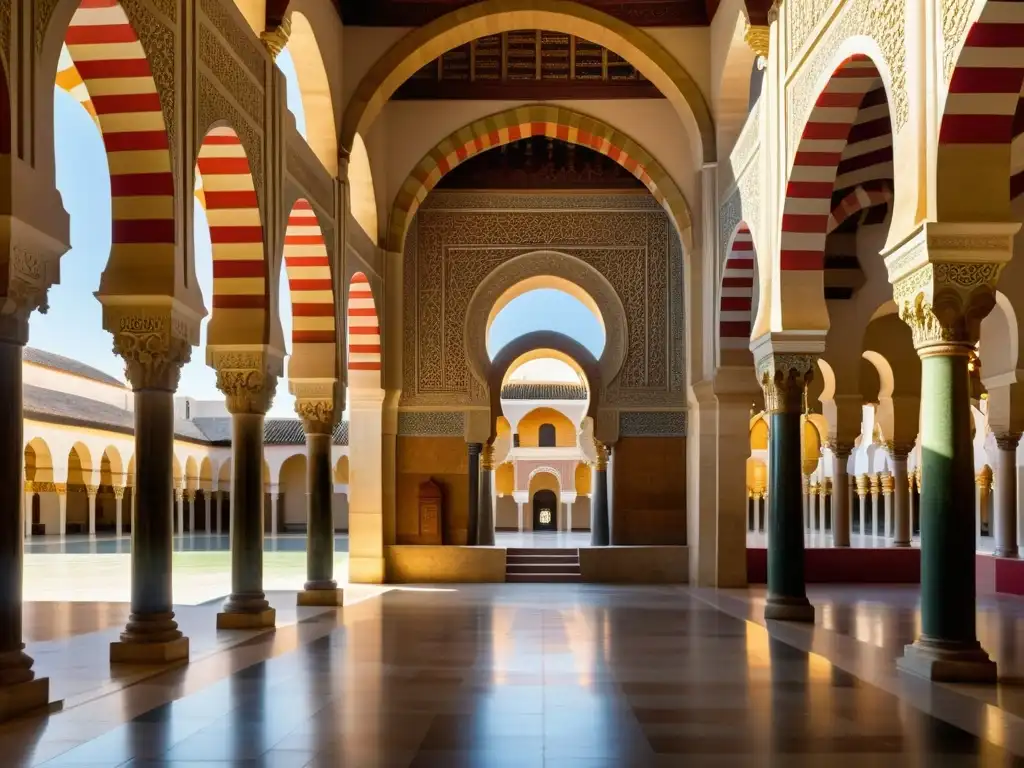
pixel 888 484
pixel 247 378
pixel 602 456
pixel 276 38
pixel 318 416
pixel 862 485
pixel 60 488
pixel 784 378
pixel 756 37
pixel 955 15
pixel 91 489
pixel 189 495
pixel 874 483
pixel 119 492
pixel 179 495
pixel 487 458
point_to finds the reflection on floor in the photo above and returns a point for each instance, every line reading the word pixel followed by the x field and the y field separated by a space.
pixel 757 539
pixel 522 675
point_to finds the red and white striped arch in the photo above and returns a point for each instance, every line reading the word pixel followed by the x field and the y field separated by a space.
pixel 808 205
pixel 363 334
pixel 982 112
pixel 858 201
pixel 310 287
pixel 736 301
pixel 119 86
pixel 236 228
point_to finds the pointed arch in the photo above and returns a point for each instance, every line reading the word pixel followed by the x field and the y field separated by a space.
pixel 522 123
pixel 118 84
pixel 736 300
pixel 364 361
pixel 236 230
pixel 492 17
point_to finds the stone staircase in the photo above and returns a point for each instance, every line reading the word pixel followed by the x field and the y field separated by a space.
pixel 542 566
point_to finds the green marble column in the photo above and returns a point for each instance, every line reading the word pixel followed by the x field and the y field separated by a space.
pixel 948 648
pixel 784 382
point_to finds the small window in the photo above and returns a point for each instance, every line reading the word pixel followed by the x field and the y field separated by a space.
pixel 546 438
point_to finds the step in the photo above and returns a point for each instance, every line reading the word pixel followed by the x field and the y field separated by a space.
pixel 541 551
pixel 542 559
pixel 543 578
pixel 543 568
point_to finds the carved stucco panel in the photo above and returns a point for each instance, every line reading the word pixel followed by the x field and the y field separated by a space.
pixel 161 47
pixel 884 21
pixel 5 28
pixel 955 15
pixel 247 92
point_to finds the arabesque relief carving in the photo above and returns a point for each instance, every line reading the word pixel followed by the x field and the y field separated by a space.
pixel 454 245
pixel 955 15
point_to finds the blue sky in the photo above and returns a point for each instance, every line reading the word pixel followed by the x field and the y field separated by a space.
pixel 73 326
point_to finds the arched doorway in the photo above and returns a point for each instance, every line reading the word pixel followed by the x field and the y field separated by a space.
pixel 545 510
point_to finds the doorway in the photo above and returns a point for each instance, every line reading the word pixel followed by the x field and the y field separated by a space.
pixel 545 511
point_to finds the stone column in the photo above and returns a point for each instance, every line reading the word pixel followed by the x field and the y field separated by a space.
pixel 179 513
pixel 90 491
pixel 119 509
pixel 275 494
pixel 944 279
pixel 827 521
pixel 886 483
pixel 862 503
pixel 600 524
pixel 760 500
pixel 207 520
pixel 20 690
pixel 981 493
pixel 1005 517
pixel 190 502
pixel 153 355
pixel 840 493
pixel 218 508
pixel 29 498
pixel 61 490
pixel 878 517
pixel 318 419
pixel 784 378
pixel 249 381
pixel 485 527
pixel 473 489
pixel 901 483
pixel 806 490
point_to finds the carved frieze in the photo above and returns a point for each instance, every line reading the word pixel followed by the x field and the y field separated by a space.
pixel 159 42
pixel 431 423
pixel 458 239
pixel 955 15
pixel 252 55
pixel 802 16
pixel 248 378
pixel 154 348
pixel 213 107
pixel 729 217
pixel 225 68
pixel 652 424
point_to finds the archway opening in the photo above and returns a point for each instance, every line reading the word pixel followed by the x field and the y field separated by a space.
pixel 546 303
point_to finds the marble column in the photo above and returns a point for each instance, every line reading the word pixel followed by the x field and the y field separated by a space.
pixel 600 524
pixel 91 491
pixel 982 487
pixel 784 379
pixel 901 496
pixel 29 498
pixel 840 493
pixel 473 532
pixel 20 690
pixel 62 509
pixel 485 505
pixel 249 385
pixel 320 587
pixel 887 484
pixel 119 510
pixel 806 488
pixel 862 504
pixel 761 507
pixel 874 487
pixel 179 511
pixel 568 516
pixel 1005 517
pixel 190 502
pixel 153 364
pixel 944 279
pixel 275 495
pixel 218 509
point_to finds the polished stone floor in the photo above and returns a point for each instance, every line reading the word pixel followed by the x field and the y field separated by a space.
pixel 523 675
pixel 109 544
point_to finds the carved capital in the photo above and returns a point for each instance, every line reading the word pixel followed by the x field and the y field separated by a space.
pixel 246 376
pixel 29 486
pixel 119 492
pixel 91 490
pixel 944 279
pixel 898 450
pixel 756 37
pixel 1008 441
pixel 189 495
pixel 888 484
pixel 874 484
pixel 474 449
pixel 784 378
pixel 862 485
pixel 602 456
pixel 318 416
pixel 179 495
pixel 841 449
pixel 275 39
pixel 487 457
pixel 60 488
pixel 154 342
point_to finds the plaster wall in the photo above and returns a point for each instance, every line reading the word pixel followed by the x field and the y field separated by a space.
pixel 529 428
pixel 506 514
pixel 443 460
pixel 649 491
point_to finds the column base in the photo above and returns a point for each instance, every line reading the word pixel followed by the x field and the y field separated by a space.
pixel 265 619
pixel 327 598
pixel 948 662
pixel 1012 554
pixel 31 697
pixel 789 609
pixel 901 544
pixel 166 652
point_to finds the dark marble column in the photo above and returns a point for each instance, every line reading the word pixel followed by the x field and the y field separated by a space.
pixel 320 587
pixel 473 532
pixel 485 527
pixel 153 366
pixel 1005 510
pixel 249 391
pixel 20 690
pixel 600 524
pixel 784 380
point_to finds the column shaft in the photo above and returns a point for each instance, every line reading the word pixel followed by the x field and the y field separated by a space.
pixel 247 596
pixel 319 513
pixel 29 497
pixel 599 533
pixel 840 496
pixel 485 505
pixel 1006 496
pixel 901 500
pixel 473 489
